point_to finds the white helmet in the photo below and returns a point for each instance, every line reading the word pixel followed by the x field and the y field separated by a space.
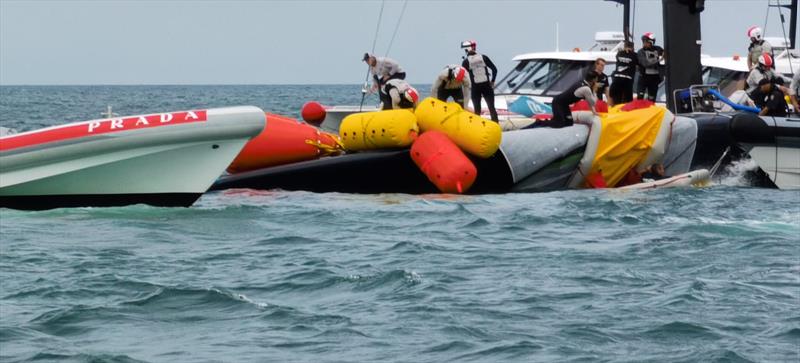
pixel 754 33
pixel 468 45
pixel 411 95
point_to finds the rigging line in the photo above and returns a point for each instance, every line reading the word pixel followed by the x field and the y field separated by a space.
pixel 633 21
pixel 396 27
pixel 766 18
pixel 377 27
pixel 788 49
pixel 372 52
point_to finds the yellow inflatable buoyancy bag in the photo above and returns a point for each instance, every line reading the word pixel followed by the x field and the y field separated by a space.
pixel 472 133
pixel 378 130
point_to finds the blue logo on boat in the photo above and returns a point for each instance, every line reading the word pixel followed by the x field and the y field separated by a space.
pixel 528 107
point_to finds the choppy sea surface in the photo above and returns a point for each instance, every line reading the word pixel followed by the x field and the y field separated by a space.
pixel 680 275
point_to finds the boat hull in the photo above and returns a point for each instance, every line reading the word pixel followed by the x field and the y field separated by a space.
pixel 164 166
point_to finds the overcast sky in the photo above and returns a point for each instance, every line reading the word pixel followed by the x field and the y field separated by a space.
pixel 301 42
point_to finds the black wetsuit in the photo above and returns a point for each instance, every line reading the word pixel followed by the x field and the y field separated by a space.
pixel 602 84
pixel 384 96
pixel 562 116
pixel 481 81
pixel 649 72
pixel 621 90
pixel 775 101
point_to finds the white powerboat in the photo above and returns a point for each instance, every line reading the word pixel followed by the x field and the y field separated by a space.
pixel 166 159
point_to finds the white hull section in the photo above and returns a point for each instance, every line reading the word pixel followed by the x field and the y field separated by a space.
pixel 782 164
pixel 694 178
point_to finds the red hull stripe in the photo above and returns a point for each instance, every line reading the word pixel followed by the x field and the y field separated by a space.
pixel 98 127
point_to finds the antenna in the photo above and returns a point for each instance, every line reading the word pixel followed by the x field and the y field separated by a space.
pixel 556 36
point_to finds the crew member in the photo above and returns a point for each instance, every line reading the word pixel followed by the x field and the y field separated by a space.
pixel 583 90
pixel 400 95
pixel 795 90
pixel 649 58
pixel 453 81
pixel 478 66
pixel 602 79
pixel 758 46
pixel 761 71
pixel 621 90
pixel 770 99
pixel 383 69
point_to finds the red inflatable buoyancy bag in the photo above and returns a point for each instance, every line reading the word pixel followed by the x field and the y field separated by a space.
pixel 443 162
pixel 582 105
pixel 283 141
pixel 637 104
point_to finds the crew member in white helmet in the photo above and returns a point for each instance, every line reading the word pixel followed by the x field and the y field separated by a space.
pixel 383 69
pixel 758 46
pixel 453 81
pixel 478 66
pixel 400 95
pixel 763 70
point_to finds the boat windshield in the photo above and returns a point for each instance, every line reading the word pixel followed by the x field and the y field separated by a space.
pixel 728 81
pixel 542 77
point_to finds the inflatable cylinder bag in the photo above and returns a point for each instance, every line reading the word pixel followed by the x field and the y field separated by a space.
pixel 472 133
pixel 284 140
pixel 378 130
pixel 443 162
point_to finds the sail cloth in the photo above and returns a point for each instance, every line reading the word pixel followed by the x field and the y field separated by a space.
pixel 627 139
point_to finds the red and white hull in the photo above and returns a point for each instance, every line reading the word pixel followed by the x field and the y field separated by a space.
pixel 167 159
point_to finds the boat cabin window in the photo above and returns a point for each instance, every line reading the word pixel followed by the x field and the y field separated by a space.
pixel 542 77
pixel 728 81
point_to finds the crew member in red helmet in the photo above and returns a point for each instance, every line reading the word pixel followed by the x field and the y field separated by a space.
pixel 453 81
pixel 478 66
pixel 649 57
pixel 400 94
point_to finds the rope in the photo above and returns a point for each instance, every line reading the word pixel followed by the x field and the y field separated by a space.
pixel 396 27
pixel 374 41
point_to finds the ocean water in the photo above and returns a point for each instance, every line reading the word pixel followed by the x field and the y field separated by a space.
pixel 682 275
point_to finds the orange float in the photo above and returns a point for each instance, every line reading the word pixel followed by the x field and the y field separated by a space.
pixel 283 141
pixel 445 165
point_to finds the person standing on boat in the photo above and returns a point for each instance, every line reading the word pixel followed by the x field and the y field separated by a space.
pixel 583 90
pixel 758 46
pixel 383 69
pixel 478 66
pixel 453 81
pixel 400 94
pixel 621 90
pixel 649 58
pixel 770 99
pixel 602 79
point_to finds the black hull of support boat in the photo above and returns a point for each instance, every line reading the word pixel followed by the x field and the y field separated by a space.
pixel 44 202
pixel 364 173
pixel 718 132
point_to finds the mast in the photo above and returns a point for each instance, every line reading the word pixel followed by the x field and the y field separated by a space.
pixel 793 24
pixel 682 43
pixel 626 17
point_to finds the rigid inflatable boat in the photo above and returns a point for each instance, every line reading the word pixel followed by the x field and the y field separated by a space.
pixel 166 159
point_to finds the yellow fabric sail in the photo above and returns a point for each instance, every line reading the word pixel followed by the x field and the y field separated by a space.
pixel 472 133
pixel 378 130
pixel 625 141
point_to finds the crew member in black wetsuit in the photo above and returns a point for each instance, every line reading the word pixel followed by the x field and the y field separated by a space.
pixel 583 90
pixel 602 79
pixel 649 58
pixel 478 66
pixel 621 90
pixel 770 99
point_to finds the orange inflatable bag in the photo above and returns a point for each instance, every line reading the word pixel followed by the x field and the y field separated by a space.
pixel 284 141
pixel 443 162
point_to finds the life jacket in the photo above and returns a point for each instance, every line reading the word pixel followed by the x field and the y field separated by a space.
pixel 626 64
pixel 478 67
pixel 402 87
pixel 653 69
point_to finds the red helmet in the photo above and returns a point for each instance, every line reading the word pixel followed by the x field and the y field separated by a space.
pixel 649 36
pixel 458 73
pixel 765 60
pixel 411 95
pixel 469 44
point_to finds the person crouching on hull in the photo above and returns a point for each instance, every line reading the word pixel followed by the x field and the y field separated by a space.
pixel 453 81
pixel 383 69
pixel 400 95
pixel 583 90
pixel 478 66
